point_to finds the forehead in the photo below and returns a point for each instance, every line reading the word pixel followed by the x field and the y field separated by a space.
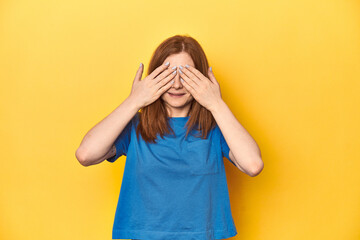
pixel 182 58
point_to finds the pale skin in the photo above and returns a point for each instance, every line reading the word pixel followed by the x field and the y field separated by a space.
pixel 178 107
pixel 97 144
pixel 244 151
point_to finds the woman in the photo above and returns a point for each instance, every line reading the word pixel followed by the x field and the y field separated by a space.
pixel 174 183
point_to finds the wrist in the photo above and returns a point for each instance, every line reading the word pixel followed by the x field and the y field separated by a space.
pixel 133 101
pixel 217 106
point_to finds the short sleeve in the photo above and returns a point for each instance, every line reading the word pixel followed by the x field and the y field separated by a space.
pixel 224 147
pixel 122 142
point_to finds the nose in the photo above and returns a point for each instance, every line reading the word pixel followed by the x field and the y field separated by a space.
pixel 177 83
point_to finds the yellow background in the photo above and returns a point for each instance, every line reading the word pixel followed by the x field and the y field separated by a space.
pixel 289 71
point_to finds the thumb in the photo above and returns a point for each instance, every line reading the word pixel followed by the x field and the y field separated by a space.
pixel 211 76
pixel 139 73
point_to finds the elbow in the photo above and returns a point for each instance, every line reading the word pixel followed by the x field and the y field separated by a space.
pixel 256 168
pixel 80 156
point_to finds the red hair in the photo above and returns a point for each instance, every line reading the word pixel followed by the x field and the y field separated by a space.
pixel 153 117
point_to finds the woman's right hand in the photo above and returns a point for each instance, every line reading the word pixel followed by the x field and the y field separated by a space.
pixel 149 89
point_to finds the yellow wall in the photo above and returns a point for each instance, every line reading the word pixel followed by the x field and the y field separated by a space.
pixel 289 71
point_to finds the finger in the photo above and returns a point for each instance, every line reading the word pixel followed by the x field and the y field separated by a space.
pixel 165 80
pixel 165 74
pixel 167 86
pixel 159 70
pixel 188 73
pixel 189 88
pixel 212 77
pixel 190 79
pixel 194 71
pixel 139 73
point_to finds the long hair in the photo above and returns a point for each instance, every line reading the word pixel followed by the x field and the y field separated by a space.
pixel 153 118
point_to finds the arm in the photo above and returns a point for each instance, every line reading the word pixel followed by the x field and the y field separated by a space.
pixel 244 151
pixel 98 144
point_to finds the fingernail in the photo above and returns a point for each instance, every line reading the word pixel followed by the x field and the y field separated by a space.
pixel 180 71
pixel 172 81
pixel 174 67
pixel 181 67
pixel 140 64
pixel 167 63
pixel 182 80
pixel 174 72
pixel 211 69
pixel 187 66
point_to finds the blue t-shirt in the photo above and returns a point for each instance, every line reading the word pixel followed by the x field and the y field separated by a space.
pixel 174 189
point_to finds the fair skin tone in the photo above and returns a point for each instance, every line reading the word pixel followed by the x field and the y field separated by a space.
pixel 178 106
pixel 244 151
pixel 98 143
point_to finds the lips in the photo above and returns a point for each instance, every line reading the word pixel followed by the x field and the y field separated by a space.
pixel 177 94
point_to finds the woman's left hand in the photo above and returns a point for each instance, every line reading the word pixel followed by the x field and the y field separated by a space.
pixel 205 91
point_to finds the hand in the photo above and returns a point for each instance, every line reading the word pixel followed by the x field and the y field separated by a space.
pixel 152 86
pixel 205 91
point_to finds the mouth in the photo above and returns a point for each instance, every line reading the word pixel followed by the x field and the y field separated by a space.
pixel 176 94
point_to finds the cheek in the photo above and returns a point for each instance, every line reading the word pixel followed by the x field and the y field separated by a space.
pixel 189 98
pixel 165 97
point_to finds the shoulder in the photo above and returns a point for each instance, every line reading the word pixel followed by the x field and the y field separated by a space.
pixel 216 129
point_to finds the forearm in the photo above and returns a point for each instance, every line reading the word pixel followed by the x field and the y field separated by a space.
pixel 99 139
pixel 242 145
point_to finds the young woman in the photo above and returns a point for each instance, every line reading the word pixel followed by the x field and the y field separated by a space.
pixel 174 184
